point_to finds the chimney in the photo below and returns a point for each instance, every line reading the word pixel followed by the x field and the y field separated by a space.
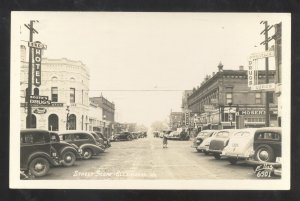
pixel 213 74
pixel 241 67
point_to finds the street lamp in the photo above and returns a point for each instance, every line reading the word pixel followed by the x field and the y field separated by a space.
pixel 68 111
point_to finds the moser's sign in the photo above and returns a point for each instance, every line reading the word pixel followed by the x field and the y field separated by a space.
pixel 252 112
pixel 39 100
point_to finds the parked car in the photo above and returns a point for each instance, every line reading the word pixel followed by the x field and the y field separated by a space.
pixel 267 148
pixel 123 136
pixel 165 133
pixel 204 146
pixel 106 141
pixel 202 135
pixel 99 140
pixel 220 141
pixel 84 140
pixel 66 153
pixel 35 152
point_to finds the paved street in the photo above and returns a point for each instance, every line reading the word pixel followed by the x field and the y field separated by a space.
pixel 146 159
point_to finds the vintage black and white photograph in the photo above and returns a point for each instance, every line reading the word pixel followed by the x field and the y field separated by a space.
pixel 133 100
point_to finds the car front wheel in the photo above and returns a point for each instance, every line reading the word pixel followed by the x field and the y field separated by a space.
pixel 39 167
pixel 264 153
pixel 68 158
pixel 87 153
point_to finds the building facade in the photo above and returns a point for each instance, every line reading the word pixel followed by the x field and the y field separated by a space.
pixel 108 114
pixel 65 83
pixel 177 120
pixel 225 97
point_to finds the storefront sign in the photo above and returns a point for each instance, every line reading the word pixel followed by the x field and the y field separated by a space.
pixel 37 57
pixel 208 108
pixel 252 112
pixel 40 111
pixel 250 73
pixel 39 100
pixel 261 55
pixel 265 87
pixel 50 105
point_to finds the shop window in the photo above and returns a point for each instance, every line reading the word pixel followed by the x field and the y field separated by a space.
pixel 72 95
pixel 54 94
pixel 229 97
pixel 258 98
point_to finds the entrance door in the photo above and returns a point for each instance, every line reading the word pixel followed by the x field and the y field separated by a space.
pixel 53 122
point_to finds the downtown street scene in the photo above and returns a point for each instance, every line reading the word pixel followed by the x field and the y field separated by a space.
pixel 150 96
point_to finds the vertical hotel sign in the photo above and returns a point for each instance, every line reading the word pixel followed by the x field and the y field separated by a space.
pixel 37 57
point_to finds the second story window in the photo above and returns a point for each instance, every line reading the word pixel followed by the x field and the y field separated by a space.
pixel 54 94
pixel 258 98
pixel 72 95
pixel 228 98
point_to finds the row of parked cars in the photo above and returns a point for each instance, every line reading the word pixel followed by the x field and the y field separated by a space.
pixel 172 135
pixel 41 149
pixel 128 136
pixel 256 146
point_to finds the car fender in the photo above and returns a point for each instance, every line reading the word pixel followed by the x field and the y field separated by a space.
pixel 44 155
pixel 72 149
pixel 96 149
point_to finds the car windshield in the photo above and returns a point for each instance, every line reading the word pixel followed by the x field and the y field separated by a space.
pixel 223 134
pixel 242 134
pixel 204 133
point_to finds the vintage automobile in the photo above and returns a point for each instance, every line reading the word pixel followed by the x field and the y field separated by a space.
pixel 66 153
pixel 123 136
pixel 178 135
pixel 220 141
pixel 106 141
pixel 35 152
pixel 84 140
pixel 204 146
pixel 240 145
pixel 267 148
pixel 202 135
pixel 99 140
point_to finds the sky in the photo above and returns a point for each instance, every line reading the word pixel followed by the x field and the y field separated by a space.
pixel 143 61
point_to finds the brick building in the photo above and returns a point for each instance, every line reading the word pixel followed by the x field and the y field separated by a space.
pixel 225 95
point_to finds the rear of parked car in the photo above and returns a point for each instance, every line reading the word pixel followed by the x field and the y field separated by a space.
pixel 240 146
pixel 201 137
pixel 220 141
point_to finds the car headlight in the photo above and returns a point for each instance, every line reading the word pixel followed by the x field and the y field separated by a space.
pixel 80 151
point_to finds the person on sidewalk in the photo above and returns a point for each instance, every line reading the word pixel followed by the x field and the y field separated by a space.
pixel 165 141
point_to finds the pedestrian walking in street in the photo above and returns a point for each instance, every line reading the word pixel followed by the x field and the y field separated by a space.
pixel 165 141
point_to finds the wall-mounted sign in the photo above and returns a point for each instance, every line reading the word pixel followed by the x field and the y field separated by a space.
pixel 40 110
pixel 37 57
pixel 208 108
pixel 265 87
pixel 39 100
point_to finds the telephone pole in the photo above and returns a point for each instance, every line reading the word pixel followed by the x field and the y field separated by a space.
pixel 29 89
pixel 265 42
